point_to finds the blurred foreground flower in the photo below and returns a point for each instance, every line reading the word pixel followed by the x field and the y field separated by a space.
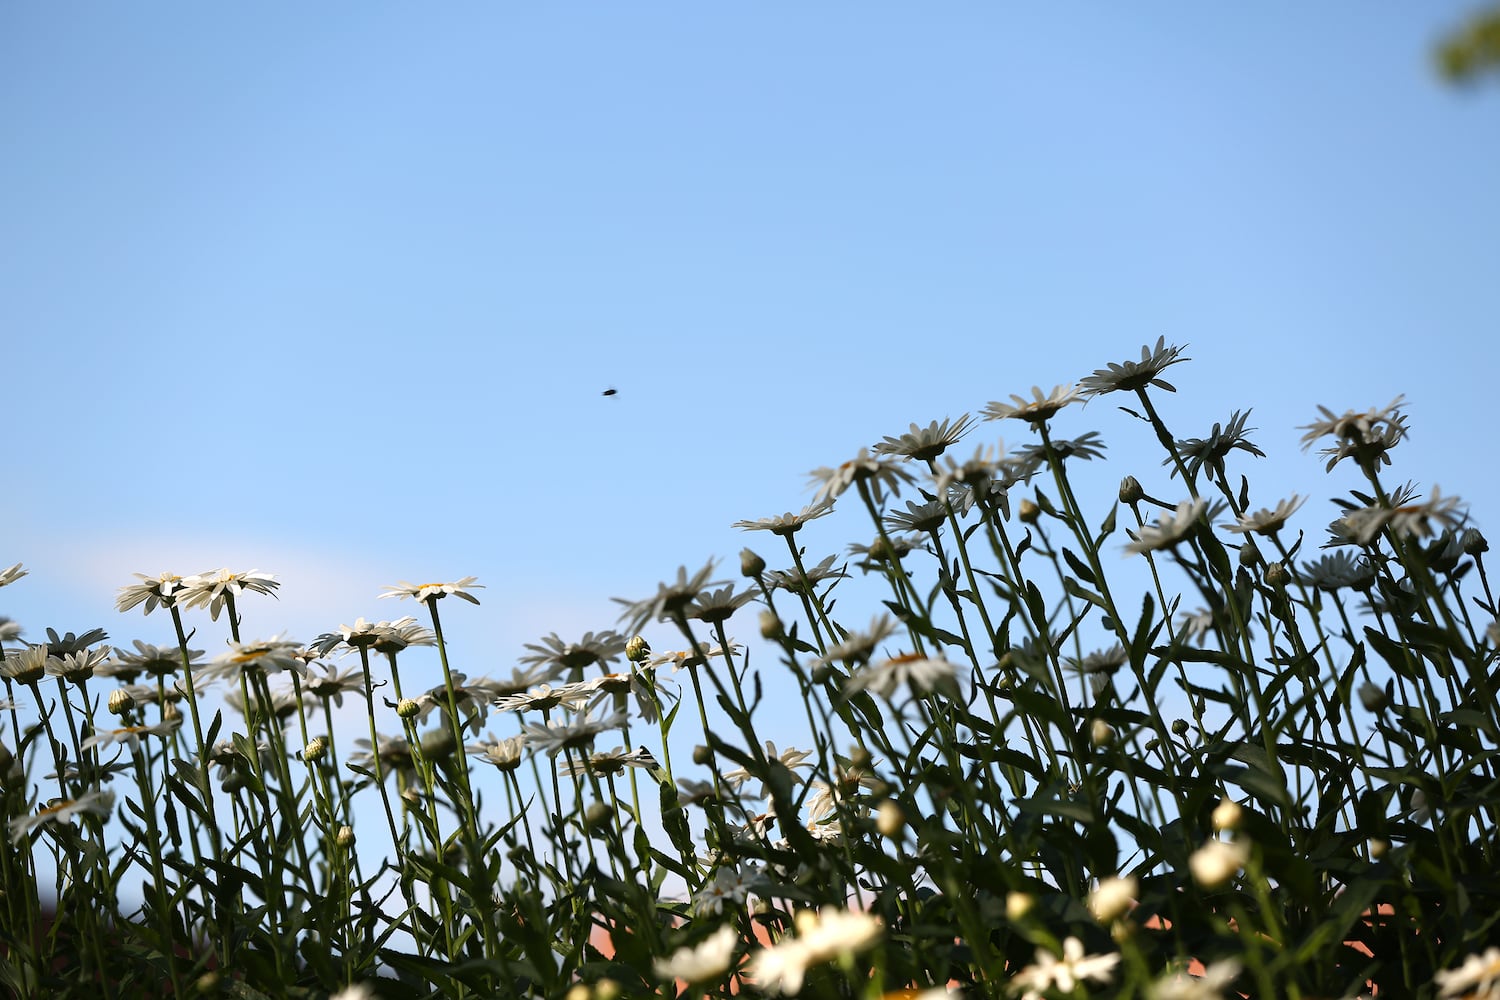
pixel 828 934
pixel 1064 974
pixel 706 961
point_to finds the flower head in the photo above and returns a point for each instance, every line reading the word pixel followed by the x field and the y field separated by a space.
pixel 821 936
pixel 716 606
pixel 1131 376
pixel 1366 437
pixel 788 524
pixel 1268 522
pixel 1169 528
pixel 11 574
pixel 426 592
pixel 505 754
pixel 704 962
pixel 919 673
pixel 862 468
pixel 1063 973
pixel 154 661
pixel 572 657
pixel 1478 976
pixel 267 656
pixel 1037 410
pixel 555 737
pixel 213 589
pixel 926 443
pixel 130 734
pixel 151 591
pixel 669 599
pixel 98 802
pixel 1210 452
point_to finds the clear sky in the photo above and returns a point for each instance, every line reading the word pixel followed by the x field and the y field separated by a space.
pixel 332 290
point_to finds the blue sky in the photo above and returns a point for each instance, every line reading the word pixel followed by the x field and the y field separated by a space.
pixel 332 291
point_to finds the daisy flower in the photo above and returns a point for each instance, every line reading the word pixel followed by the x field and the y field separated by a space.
pixel 1063 973
pixel 669 599
pixel 425 592
pixel 706 961
pixel 151 591
pixel 788 524
pixel 213 589
pixel 268 656
pixel 1169 528
pixel 1268 522
pixel 926 443
pixel 1036 410
pixel 864 467
pixel 11 574
pixel 554 737
pixel 1478 976
pixel 1130 376
pixel 130 734
pixel 98 802
pixel 921 674
pixel 572 657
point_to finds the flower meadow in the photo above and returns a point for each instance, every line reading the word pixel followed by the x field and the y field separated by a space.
pixel 1173 741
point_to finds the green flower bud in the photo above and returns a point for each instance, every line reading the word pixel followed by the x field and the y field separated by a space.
pixel 407 708
pixel 751 565
pixel 316 749
pixel 1180 727
pixel 637 649
pixel 1130 490
pixel 121 701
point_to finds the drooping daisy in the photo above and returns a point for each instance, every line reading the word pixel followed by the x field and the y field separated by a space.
pixel 1064 972
pixel 704 962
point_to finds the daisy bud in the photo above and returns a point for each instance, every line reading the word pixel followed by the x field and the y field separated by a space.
pixel 1130 490
pixel 751 565
pixel 316 749
pixel 890 818
pixel 1018 905
pixel 637 649
pixel 170 712
pixel 1113 898
pixel 121 701
pixel 407 708
pixel 1473 542
pixel 1250 555
pixel 702 755
pixel 1372 697
pixel 1179 727
pixel 1227 815
pixel 1029 512
pixel 1101 733
pixel 770 625
pixel 860 758
pixel 1277 575
pixel 345 837
pixel 597 814
pixel 1216 862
